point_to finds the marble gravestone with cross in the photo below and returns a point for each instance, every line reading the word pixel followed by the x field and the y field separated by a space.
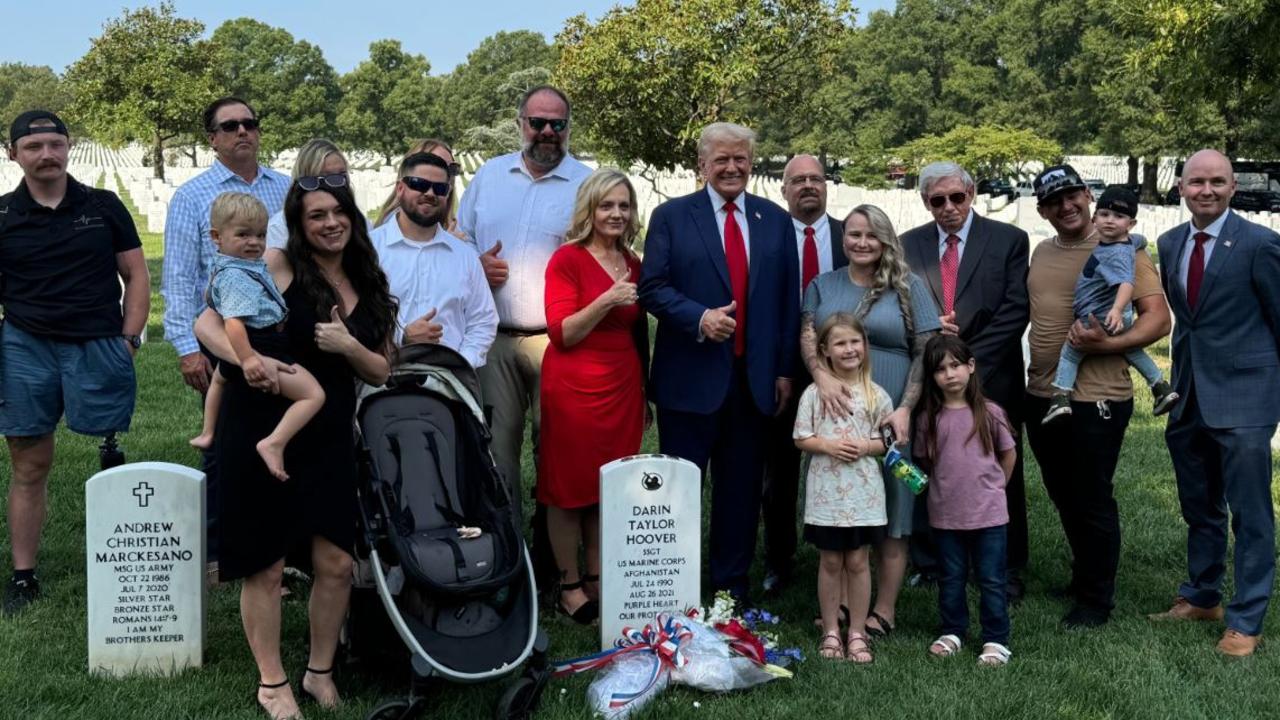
pixel 145 551
pixel 650 541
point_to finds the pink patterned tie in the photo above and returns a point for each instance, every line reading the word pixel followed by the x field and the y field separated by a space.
pixel 949 265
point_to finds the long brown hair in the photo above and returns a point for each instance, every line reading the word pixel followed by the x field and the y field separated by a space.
pixel 932 400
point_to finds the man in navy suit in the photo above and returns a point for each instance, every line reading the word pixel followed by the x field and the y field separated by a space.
pixel 1221 274
pixel 720 275
pixel 977 271
pixel 819 241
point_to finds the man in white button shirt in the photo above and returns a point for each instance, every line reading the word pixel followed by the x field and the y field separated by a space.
pixel 517 210
pixel 444 297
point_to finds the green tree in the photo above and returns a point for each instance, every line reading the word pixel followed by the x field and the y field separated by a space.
pixel 646 79
pixel 290 85
pixel 988 151
pixel 147 77
pixel 483 90
pixel 30 87
pixel 388 101
pixel 502 135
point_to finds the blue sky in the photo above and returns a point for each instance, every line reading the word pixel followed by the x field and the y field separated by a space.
pixel 442 30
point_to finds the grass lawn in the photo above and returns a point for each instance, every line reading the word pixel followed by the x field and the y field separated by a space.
pixel 1131 668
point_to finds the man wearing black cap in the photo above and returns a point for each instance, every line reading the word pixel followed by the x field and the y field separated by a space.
pixel 66 344
pixel 1078 456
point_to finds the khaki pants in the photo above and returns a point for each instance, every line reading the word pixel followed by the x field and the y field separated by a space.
pixel 511 383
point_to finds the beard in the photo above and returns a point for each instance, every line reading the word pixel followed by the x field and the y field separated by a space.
pixel 430 218
pixel 544 153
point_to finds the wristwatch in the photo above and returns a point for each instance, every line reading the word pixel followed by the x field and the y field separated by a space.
pixel 135 341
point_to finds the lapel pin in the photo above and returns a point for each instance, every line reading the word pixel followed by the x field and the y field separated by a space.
pixel 757 216
pixel 1227 243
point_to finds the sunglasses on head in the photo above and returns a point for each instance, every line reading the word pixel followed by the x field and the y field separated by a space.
pixel 454 169
pixel 313 182
pixel 956 198
pixel 557 124
pixel 417 184
pixel 230 126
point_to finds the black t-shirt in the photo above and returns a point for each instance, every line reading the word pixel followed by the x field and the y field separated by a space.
pixel 58 273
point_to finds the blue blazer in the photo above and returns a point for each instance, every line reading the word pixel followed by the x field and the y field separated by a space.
pixel 684 273
pixel 1230 344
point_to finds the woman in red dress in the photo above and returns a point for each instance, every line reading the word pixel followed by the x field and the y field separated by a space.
pixel 593 407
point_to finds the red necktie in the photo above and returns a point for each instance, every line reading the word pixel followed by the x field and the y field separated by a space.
pixel 809 269
pixel 735 256
pixel 949 264
pixel 1195 270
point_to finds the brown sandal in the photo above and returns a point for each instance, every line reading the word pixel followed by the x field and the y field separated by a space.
pixel 857 650
pixel 830 647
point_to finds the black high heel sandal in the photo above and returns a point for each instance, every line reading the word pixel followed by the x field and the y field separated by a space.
pixel 591 579
pixel 306 694
pixel 271 686
pixel 586 613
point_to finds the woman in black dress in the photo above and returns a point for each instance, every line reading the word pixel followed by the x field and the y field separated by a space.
pixel 340 322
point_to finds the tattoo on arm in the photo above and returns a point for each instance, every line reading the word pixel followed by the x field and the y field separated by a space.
pixel 915 377
pixel 809 343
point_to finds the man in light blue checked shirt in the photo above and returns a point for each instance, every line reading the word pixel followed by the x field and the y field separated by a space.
pixel 188 250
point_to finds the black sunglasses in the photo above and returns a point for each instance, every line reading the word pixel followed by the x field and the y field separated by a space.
pixel 230 126
pixel 956 198
pixel 313 182
pixel 557 124
pixel 417 184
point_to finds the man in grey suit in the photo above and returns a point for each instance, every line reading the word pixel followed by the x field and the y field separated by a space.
pixel 1221 274
pixel 820 246
pixel 977 271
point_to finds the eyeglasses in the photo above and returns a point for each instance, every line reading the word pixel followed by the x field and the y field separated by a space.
pixel 230 126
pixel 557 124
pixel 313 182
pixel 797 180
pixel 417 184
pixel 956 198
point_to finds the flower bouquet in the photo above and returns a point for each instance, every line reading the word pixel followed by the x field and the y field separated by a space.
pixel 718 654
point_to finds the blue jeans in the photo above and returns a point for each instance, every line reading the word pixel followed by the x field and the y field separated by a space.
pixel 983 550
pixel 1070 358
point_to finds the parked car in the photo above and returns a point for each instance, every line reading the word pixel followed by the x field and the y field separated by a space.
pixel 1024 188
pixel 996 188
pixel 1096 186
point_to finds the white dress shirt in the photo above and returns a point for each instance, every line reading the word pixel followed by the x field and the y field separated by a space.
pixel 821 237
pixel 504 203
pixel 740 214
pixel 442 273
pixel 1189 244
pixel 962 233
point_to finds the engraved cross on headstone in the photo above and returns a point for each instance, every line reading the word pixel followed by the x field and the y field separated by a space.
pixel 143 492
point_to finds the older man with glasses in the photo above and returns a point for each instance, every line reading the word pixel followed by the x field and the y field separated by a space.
pixel 517 210
pixel 977 271
pixel 234 134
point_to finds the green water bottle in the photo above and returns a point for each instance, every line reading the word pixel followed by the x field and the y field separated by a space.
pixel 899 466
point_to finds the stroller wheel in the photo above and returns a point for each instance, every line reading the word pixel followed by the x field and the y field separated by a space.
pixel 520 700
pixel 394 710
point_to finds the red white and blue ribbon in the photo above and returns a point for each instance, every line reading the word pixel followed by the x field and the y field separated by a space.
pixel 662 639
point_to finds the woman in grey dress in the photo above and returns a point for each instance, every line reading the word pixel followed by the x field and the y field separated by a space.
pixel 899 315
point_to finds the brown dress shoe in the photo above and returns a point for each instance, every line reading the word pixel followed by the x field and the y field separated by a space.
pixel 1183 610
pixel 1237 644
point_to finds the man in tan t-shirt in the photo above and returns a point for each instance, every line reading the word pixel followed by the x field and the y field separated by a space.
pixel 1078 458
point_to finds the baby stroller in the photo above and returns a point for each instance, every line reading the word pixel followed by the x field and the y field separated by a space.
pixel 441 537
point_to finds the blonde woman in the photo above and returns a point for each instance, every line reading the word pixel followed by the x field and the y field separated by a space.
pixel 440 149
pixel 318 158
pixel 899 316
pixel 593 406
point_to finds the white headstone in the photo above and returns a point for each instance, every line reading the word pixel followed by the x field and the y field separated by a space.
pixel 145 548
pixel 650 541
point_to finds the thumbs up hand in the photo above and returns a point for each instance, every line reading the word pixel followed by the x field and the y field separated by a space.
pixel 424 329
pixel 718 323
pixel 332 336
pixel 495 268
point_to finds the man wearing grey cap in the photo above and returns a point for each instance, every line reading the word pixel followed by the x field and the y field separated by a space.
pixel 1078 456
pixel 66 341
